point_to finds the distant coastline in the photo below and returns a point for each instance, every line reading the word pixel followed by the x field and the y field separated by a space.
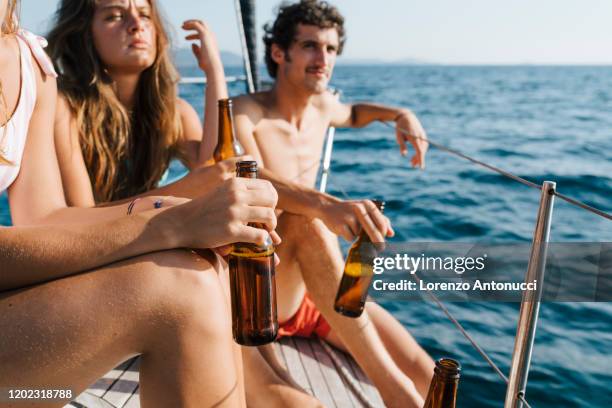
pixel 184 59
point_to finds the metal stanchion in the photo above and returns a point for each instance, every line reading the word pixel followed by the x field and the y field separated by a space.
pixel 329 144
pixel 530 304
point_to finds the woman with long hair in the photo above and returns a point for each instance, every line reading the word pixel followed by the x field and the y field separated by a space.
pixel 120 120
pixel 83 289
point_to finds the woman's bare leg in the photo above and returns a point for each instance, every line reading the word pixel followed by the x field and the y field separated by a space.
pixel 409 356
pixel 167 306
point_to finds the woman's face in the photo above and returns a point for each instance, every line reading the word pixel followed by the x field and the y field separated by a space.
pixel 124 35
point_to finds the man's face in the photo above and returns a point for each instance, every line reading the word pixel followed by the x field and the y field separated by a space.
pixel 310 59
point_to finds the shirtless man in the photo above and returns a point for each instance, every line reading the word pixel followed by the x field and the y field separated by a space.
pixel 284 130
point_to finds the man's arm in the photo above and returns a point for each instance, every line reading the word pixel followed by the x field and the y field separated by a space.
pixel 407 125
pixel 344 218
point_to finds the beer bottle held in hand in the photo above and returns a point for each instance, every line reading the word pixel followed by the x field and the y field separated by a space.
pixel 252 284
pixel 355 283
pixel 227 145
pixel 443 388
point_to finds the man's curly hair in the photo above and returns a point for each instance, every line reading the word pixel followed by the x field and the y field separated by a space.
pixel 308 12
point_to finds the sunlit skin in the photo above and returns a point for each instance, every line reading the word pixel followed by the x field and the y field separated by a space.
pixel 284 130
pixel 125 40
pixel 99 254
pixel 124 35
pixel 310 60
pixel 9 68
pixel 3 6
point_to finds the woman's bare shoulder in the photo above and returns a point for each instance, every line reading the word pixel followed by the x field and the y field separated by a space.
pixel 62 107
pixel 184 107
pixel 46 85
pixel 190 120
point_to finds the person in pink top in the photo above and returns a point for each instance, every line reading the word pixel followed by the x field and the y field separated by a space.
pixel 83 289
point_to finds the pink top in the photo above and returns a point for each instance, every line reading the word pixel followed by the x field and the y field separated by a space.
pixel 17 126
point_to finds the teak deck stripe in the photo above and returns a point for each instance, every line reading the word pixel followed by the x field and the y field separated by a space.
pixel 308 362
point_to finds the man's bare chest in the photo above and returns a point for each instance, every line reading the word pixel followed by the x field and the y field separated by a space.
pixel 291 153
pixel 278 138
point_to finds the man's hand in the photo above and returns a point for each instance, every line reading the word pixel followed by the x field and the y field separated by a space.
pixel 347 218
pixel 407 121
pixel 207 52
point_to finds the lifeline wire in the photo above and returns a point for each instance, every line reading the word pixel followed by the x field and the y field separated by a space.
pixel 507 174
pixel 504 173
pixel 464 332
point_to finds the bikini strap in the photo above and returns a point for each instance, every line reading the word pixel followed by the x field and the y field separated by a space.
pixel 36 44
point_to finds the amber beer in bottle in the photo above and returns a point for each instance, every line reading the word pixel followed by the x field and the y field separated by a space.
pixel 252 284
pixel 227 145
pixel 443 388
pixel 353 290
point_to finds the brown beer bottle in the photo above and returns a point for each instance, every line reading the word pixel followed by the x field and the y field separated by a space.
pixel 443 388
pixel 227 145
pixel 252 284
pixel 353 290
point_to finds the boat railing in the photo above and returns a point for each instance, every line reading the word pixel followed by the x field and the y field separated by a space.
pixel 530 303
pixel 202 80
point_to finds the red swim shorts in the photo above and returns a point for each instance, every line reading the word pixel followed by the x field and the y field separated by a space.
pixel 305 322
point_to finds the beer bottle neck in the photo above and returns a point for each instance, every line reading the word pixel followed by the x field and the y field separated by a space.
pixel 443 389
pixel 363 235
pixel 247 174
pixel 364 238
pixel 226 133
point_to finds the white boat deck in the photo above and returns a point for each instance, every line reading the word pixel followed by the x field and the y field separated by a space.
pixel 321 371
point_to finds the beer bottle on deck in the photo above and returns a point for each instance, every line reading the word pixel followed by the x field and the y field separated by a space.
pixel 353 290
pixel 252 284
pixel 443 388
pixel 227 145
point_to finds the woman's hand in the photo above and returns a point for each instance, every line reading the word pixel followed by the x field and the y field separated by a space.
pixel 207 178
pixel 207 51
pixel 220 218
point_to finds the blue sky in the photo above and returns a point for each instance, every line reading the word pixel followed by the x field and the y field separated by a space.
pixel 442 31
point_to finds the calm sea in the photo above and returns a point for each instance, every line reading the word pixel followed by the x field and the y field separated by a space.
pixel 541 123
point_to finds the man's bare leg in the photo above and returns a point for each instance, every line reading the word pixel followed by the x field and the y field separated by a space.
pixel 264 388
pixel 319 265
pixel 411 358
pixel 167 306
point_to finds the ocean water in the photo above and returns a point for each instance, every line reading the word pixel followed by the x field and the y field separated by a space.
pixel 541 123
